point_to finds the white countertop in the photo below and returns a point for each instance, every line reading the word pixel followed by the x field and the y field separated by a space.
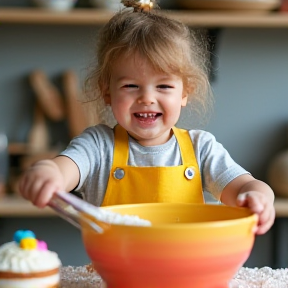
pixel 265 277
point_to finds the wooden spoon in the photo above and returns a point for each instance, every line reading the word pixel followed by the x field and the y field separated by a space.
pixel 38 137
pixel 49 97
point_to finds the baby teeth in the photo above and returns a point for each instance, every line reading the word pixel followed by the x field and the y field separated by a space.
pixel 145 115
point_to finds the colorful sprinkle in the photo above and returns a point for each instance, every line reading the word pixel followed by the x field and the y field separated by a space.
pixel 28 244
pixel 42 245
pixel 22 234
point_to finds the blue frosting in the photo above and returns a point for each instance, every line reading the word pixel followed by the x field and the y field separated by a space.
pixel 22 234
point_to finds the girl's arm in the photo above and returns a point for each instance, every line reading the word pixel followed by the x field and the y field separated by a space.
pixel 40 182
pixel 246 191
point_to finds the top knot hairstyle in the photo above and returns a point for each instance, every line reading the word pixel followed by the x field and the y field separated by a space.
pixel 140 5
pixel 168 45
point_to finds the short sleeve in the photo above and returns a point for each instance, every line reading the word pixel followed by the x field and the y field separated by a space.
pixel 215 163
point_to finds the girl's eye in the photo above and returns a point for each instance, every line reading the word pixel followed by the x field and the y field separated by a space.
pixel 164 86
pixel 130 86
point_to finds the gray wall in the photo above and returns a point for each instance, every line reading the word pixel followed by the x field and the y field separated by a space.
pixel 250 115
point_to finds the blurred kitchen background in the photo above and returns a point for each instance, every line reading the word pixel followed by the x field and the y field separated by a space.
pixel 250 116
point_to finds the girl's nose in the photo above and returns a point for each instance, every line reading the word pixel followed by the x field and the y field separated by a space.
pixel 146 98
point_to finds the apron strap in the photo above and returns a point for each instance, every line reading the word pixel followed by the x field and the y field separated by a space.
pixel 121 146
pixel 185 145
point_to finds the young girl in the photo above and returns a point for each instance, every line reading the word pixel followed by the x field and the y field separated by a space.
pixel 148 67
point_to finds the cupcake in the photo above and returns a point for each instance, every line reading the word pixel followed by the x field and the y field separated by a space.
pixel 26 262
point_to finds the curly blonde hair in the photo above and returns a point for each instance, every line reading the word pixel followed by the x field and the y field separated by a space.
pixel 169 46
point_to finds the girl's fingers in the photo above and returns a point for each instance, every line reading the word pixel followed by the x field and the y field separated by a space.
pixel 27 188
pixel 265 226
pixel 251 201
pixel 47 192
pixel 242 199
pixel 264 210
pixel 266 220
pixel 23 186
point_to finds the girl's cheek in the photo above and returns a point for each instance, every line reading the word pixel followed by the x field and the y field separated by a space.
pixel 127 118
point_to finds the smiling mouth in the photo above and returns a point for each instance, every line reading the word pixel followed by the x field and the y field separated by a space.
pixel 147 115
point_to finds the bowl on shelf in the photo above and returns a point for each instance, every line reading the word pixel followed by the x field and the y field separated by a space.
pixel 113 5
pixel 188 245
pixel 243 5
pixel 55 5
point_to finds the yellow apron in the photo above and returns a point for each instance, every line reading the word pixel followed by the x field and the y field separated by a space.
pixel 132 184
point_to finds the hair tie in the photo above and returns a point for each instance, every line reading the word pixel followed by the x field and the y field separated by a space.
pixel 140 5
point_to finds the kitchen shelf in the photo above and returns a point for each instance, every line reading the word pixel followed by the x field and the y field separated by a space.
pixel 93 16
pixel 15 206
pixel 281 207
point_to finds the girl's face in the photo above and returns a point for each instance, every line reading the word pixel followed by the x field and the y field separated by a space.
pixel 144 102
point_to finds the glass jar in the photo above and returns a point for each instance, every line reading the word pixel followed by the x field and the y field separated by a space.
pixel 3 163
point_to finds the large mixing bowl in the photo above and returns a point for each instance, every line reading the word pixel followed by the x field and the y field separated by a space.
pixel 188 245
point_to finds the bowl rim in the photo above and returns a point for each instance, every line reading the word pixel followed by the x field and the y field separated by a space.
pixel 250 218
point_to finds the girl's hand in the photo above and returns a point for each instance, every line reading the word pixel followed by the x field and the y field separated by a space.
pixel 246 191
pixel 39 183
pixel 260 204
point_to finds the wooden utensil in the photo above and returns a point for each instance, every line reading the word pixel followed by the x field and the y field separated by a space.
pixel 38 137
pixel 48 96
pixel 76 117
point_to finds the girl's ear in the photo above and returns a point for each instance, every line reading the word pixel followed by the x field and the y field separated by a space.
pixel 184 100
pixel 106 96
pixel 188 90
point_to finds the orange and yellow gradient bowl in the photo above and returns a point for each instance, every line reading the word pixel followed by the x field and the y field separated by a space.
pixel 187 246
